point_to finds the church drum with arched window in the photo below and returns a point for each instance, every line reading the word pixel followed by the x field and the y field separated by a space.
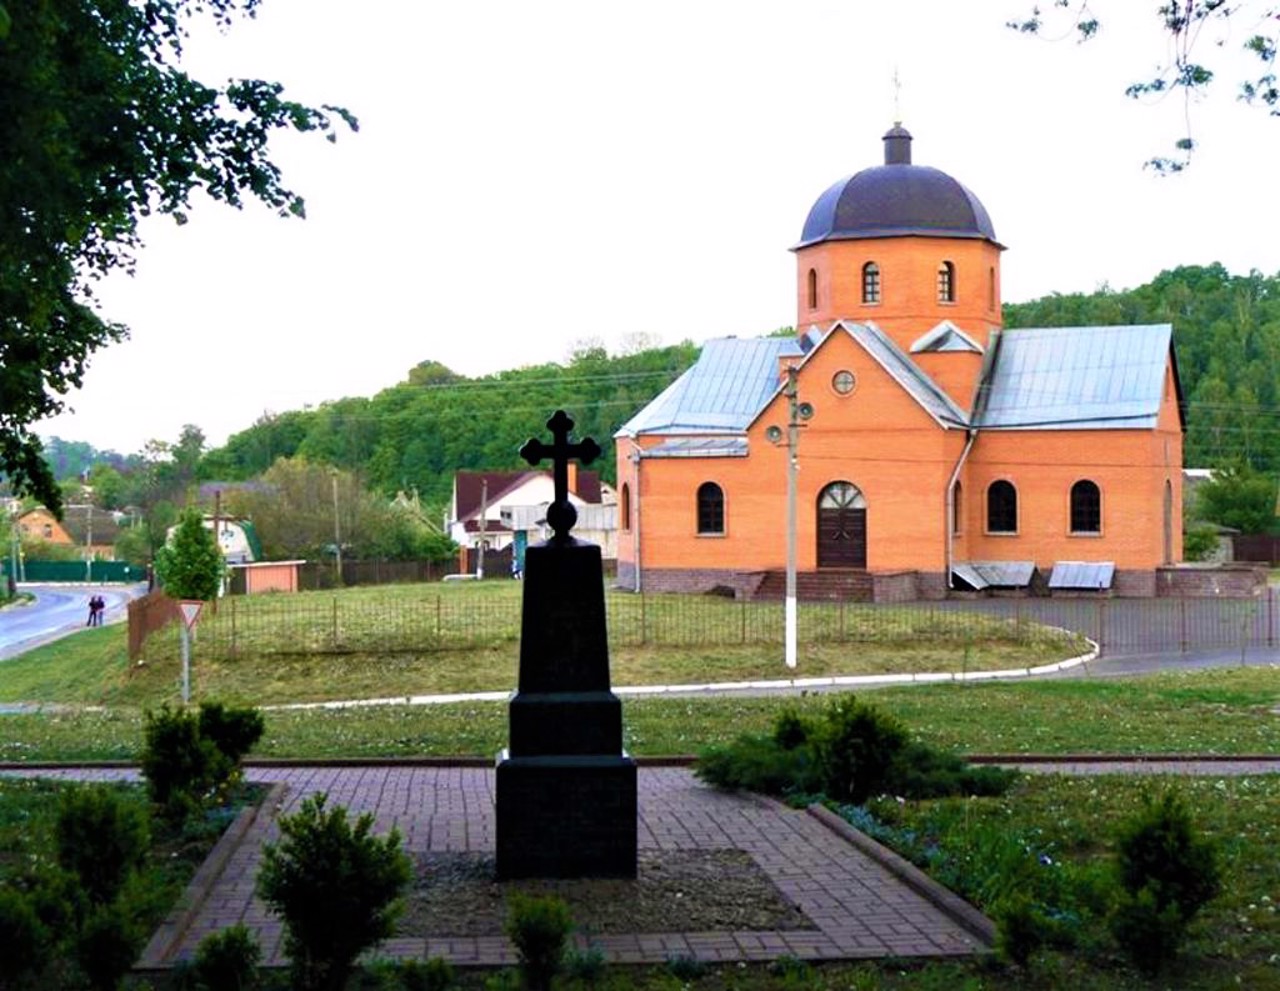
pixel 842 527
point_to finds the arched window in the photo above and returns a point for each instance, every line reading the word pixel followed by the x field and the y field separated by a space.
pixel 624 506
pixel 1002 507
pixel 871 283
pixel 710 508
pixel 1086 507
pixel 946 283
pixel 957 508
pixel 813 289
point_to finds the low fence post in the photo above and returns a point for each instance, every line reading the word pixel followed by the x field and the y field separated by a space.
pixel 335 623
pixel 743 612
pixel 643 640
pixel 233 628
pixel 1182 622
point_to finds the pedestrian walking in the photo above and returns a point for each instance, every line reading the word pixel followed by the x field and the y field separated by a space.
pixel 93 610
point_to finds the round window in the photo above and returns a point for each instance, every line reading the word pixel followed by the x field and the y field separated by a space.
pixel 843 382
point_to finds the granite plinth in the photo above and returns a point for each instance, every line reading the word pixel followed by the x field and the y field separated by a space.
pixel 546 723
pixel 566 816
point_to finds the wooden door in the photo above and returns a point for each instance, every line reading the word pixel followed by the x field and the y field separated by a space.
pixel 842 527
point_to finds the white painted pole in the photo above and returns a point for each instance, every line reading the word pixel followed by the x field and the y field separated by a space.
pixel 793 466
pixel 186 664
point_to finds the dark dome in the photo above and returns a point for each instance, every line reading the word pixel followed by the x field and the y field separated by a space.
pixel 896 199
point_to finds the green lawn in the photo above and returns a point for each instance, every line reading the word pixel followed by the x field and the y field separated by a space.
pixel 1225 711
pixel 419 640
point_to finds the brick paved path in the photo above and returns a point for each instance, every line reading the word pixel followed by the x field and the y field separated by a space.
pixel 861 910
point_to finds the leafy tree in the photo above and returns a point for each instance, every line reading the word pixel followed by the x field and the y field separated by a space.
pixel 101 127
pixel 191 566
pixel 1240 498
pixel 1199 33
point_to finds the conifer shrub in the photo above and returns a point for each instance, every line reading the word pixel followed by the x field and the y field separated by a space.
pixel 24 937
pixel 539 928
pixel 189 757
pixel 436 974
pixel 1167 872
pixel 234 732
pixel 108 942
pixel 849 753
pixel 336 887
pixel 227 960
pixel 101 840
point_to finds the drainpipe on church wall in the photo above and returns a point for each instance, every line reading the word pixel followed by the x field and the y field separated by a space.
pixel 635 523
pixel 949 503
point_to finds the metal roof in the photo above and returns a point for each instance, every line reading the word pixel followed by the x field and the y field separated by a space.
pixel 699 447
pixel 946 337
pixel 1078 377
pixel 1082 574
pixel 723 392
pixel 994 574
pixel 906 373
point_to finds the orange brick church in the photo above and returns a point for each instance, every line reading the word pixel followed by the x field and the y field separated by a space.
pixel 936 451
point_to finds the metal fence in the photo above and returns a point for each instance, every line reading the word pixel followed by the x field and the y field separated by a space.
pixel 426 621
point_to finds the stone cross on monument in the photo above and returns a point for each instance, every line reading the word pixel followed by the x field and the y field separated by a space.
pixel 560 514
pixel 566 790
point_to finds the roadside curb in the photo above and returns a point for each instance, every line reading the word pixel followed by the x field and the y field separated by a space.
pixel 728 687
pixel 944 899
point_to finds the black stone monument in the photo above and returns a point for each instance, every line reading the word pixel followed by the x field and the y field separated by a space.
pixel 566 802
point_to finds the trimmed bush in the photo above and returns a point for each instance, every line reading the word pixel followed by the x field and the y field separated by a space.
pixel 179 764
pixel 188 757
pixel 23 936
pixel 101 839
pixel 107 944
pixel 850 753
pixel 539 929
pixel 1167 872
pixel 855 746
pixel 228 960
pixel 233 731
pixel 336 887
pixel 435 974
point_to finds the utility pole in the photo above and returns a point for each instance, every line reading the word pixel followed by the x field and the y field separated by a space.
pixel 796 411
pixel 337 534
pixel 484 525
pixel 88 543
pixel 793 468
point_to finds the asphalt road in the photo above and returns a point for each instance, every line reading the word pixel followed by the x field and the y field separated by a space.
pixel 57 611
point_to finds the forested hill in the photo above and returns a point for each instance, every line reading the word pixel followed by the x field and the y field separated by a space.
pixel 418 433
pixel 1226 332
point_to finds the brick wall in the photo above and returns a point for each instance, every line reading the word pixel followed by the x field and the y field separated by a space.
pixel 1235 581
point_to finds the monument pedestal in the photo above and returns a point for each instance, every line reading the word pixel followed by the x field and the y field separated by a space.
pixel 566 816
pixel 566 790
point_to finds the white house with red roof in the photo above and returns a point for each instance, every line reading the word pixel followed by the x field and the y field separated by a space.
pixel 479 497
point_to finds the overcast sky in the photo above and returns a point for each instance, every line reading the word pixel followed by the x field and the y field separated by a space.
pixel 530 175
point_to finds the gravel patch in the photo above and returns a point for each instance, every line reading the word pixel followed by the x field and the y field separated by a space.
pixel 455 894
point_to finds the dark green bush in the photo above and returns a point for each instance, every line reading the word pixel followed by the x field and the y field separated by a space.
pixel 920 771
pixel 107 944
pixel 188 758
pixel 435 974
pixel 24 937
pixel 337 889
pixel 1022 928
pixel 855 747
pixel 849 753
pixel 686 969
pixel 1167 872
pixel 101 839
pixel 790 730
pixel 181 766
pixel 757 763
pixel 228 960
pixel 586 966
pixel 539 928
pixel 233 731
pixel 1149 933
